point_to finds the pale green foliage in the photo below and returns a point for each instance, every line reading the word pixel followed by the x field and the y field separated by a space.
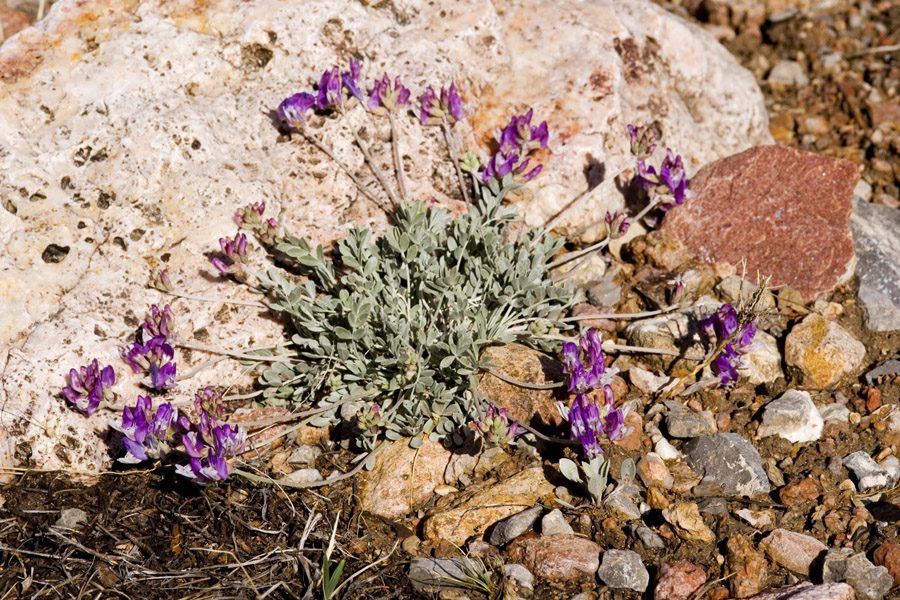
pixel 596 473
pixel 406 316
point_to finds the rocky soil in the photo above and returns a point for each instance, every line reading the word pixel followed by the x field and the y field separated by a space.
pixel 781 486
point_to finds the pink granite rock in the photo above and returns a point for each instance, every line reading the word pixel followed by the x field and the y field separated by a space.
pixel 792 550
pixel 785 211
pixel 558 557
pixel 808 591
pixel 678 581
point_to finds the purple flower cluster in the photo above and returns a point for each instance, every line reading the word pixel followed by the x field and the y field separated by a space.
pixel 251 218
pixel 590 418
pixel 617 224
pixel 385 97
pixel 339 88
pixel 146 433
pixel 723 325
pixel 434 109
pixel 670 184
pixel 495 428
pixel 234 254
pixel 155 358
pixel 516 141
pixel 369 419
pixel 159 322
pixel 88 386
pixel 207 443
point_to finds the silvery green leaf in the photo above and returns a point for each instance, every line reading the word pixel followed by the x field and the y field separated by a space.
pixel 415 442
pixel 627 472
pixel 569 470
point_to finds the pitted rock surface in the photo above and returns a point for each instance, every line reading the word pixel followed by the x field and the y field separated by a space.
pixel 785 211
pixel 131 132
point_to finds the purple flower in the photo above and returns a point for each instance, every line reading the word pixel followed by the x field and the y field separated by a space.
pixel 159 279
pixel 235 254
pixel 384 98
pixel 209 401
pixel 88 386
pixel 162 377
pixel 207 453
pixel 146 434
pixel 670 184
pixel 643 141
pixel 585 363
pixel 140 357
pixel 591 422
pixel 250 216
pixel 434 109
pixel 329 94
pixel 519 137
pixel 350 80
pixel 495 428
pixel 617 224
pixel 159 322
pixel 292 111
pixel 724 325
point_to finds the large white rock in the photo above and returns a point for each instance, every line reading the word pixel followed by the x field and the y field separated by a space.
pixel 130 132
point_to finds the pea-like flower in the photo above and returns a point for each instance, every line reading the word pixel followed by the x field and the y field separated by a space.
pixel 495 428
pixel 329 95
pixel 385 97
pixel 154 358
pixel 146 433
pixel 617 224
pixel 210 402
pixel 250 216
pixel 207 453
pixel 159 322
pixel 670 185
pixel 235 254
pixel 292 111
pixel 592 421
pixel 725 325
pixel 585 364
pixel 519 137
pixel 88 386
pixel 351 81
pixel 643 141
pixel 369 419
pixel 434 109
pixel 159 279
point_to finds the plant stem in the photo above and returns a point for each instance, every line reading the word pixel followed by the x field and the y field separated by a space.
pixel 607 347
pixel 524 384
pixel 240 355
pixel 451 148
pixel 578 254
pixel 368 157
pixel 398 164
pixel 359 184
pixel 219 300
pixel 637 315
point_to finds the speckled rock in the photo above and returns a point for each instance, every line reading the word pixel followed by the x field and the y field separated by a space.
pixel 792 416
pixel 823 351
pixel 878 248
pixel 786 212
pixel 678 581
pixel 623 569
pixel 652 470
pixel 749 567
pixel 728 461
pixel 486 506
pixel 393 488
pixel 560 557
pixel 131 133
pixel 792 550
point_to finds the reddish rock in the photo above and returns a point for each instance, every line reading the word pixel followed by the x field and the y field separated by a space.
pixel 749 567
pixel 888 555
pixel 678 581
pixel 808 591
pixel 632 441
pixel 585 309
pixel 802 491
pixel 792 550
pixel 560 557
pixel 532 407
pixel 785 211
